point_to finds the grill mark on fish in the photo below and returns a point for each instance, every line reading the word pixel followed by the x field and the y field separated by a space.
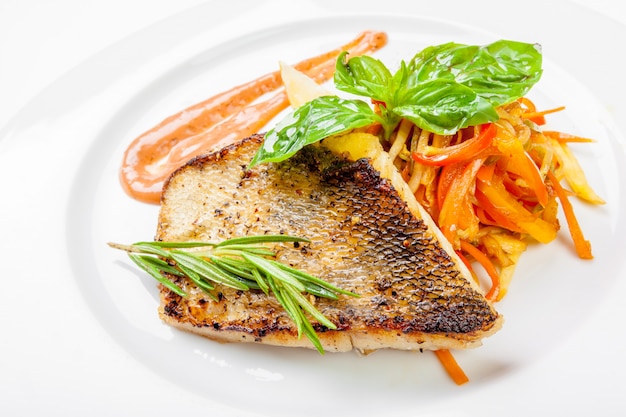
pixel 364 239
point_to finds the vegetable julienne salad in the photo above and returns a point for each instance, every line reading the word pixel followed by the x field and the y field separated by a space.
pixel 457 123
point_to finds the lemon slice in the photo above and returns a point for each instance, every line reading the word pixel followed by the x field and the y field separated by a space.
pixel 300 88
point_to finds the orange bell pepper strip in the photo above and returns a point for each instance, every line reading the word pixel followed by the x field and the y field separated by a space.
pixel 447 175
pixel 485 218
pixel 464 151
pixel 486 172
pixel 499 219
pixel 522 165
pixel 509 207
pixel 457 210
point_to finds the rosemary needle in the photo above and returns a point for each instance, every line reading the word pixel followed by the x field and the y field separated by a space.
pixel 245 263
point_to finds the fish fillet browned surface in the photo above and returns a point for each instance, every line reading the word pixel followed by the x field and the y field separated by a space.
pixel 364 238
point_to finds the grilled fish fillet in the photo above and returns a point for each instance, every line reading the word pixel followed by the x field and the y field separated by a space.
pixel 367 236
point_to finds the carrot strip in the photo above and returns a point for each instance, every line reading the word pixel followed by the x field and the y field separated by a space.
pixel 451 366
pixel 488 266
pixel 539 119
pixel 529 115
pixel 565 137
pixel 468 265
pixel 582 245
pixel 539 116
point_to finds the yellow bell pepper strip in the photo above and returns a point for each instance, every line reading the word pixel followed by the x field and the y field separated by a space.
pixel 574 174
pixel 463 151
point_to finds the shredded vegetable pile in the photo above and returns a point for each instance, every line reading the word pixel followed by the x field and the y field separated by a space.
pixel 493 189
pixel 496 187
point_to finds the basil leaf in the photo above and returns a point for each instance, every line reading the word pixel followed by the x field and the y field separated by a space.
pixel 369 77
pixel 444 106
pixel 310 123
pixel 442 89
pixel 364 76
pixel 501 72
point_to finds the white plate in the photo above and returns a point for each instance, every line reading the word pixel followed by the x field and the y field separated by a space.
pixel 81 321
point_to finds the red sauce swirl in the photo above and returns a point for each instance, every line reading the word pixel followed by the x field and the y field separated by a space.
pixel 219 121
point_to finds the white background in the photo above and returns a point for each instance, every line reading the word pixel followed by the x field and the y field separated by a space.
pixel 40 40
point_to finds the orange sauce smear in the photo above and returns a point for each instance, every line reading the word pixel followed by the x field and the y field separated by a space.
pixel 220 121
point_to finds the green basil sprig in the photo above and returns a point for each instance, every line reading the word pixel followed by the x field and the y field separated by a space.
pixel 442 89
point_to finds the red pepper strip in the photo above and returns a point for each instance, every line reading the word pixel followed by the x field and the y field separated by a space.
pixel 487 265
pixel 582 245
pixel 464 151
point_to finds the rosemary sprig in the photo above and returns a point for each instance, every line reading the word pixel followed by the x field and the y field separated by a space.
pixel 245 263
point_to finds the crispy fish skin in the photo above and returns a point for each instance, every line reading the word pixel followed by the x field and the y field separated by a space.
pixel 363 238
